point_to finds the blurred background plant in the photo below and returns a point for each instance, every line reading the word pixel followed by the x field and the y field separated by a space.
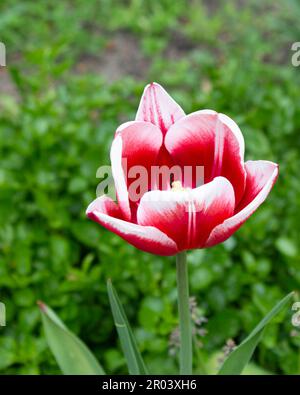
pixel 75 71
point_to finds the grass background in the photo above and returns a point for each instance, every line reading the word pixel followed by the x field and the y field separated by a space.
pixel 75 71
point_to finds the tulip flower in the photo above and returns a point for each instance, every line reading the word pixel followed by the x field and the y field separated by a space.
pixel 162 135
pixel 178 213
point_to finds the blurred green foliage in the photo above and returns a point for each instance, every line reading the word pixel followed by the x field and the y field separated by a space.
pixel 75 71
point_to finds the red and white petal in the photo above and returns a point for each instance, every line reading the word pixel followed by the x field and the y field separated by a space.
pixel 119 177
pixel 212 141
pixel 135 144
pixel 259 172
pixel 145 238
pixel 229 154
pixel 261 176
pixel 105 205
pixel 141 143
pixel 191 142
pixel 158 107
pixel 188 216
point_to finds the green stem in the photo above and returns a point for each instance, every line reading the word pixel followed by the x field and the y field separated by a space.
pixel 200 361
pixel 184 315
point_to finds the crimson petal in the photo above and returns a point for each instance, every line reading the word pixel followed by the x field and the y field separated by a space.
pixel 135 147
pixel 213 141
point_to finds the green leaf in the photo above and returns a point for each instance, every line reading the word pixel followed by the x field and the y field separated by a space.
pixel 133 357
pixel 212 366
pixel 71 354
pixel 241 355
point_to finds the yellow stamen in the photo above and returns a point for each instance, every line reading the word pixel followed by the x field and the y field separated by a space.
pixel 177 186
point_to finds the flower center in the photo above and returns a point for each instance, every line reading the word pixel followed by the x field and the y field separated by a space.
pixel 177 186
